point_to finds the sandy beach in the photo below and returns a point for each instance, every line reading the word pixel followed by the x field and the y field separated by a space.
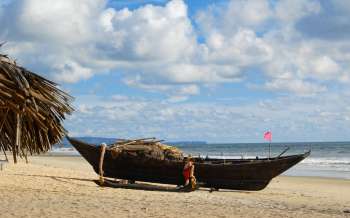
pixel 54 186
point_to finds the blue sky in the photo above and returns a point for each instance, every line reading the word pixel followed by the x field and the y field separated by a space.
pixel 221 71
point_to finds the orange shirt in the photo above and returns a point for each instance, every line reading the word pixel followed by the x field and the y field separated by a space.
pixel 187 171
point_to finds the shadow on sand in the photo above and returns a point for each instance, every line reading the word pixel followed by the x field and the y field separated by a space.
pixel 136 186
pixel 57 178
pixel 152 187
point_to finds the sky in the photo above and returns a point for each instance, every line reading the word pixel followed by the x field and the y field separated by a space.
pixel 219 71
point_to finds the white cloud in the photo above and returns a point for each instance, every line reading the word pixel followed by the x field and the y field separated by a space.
pixel 324 66
pixel 158 41
pixel 243 48
pixel 157 47
pixel 234 15
pixel 288 117
pixel 150 33
pixel 120 97
pixel 291 11
pixel 138 83
pixel 310 62
pixel 183 92
pixel 189 90
pixel 63 22
pixel 247 13
pixel 296 86
pixel 53 37
pixel 298 49
pixel 177 98
pixel 207 73
pixel 73 40
pixel 71 72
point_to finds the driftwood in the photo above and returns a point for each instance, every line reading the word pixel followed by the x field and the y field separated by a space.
pixel 32 109
pixel 144 186
pixel 145 148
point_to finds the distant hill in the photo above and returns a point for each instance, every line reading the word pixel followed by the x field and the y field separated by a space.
pixel 187 143
pixel 99 140
pixel 90 140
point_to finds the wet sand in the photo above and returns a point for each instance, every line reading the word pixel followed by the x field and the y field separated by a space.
pixel 58 186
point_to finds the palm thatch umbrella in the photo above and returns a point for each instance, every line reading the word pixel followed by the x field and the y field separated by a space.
pixel 32 109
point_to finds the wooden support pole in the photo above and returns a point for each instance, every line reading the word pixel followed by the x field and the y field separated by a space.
pixel 103 150
pixel 26 156
pixel 1 126
pixel 24 153
pixel 3 149
pixel 4 119
pixel 14 154
pixel 17 147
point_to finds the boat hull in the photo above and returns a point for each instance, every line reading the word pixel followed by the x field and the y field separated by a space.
pixel 236 174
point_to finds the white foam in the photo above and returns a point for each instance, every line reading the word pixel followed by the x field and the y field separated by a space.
pixel 327 161
pixel 70 151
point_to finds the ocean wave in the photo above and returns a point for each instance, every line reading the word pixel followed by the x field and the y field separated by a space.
pixel 327 165
pixel 327 161
pixel 70 151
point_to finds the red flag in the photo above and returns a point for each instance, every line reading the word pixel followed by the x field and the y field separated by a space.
pixel 268 136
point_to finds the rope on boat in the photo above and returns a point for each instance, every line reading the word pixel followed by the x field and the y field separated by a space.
pixel 102 156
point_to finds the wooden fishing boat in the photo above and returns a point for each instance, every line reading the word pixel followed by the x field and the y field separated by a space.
pixel 236 174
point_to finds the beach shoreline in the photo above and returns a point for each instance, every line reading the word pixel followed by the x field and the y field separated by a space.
pixel 62 186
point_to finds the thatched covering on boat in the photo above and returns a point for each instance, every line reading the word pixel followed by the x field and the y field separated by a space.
pixel 148 148
pixel 32 109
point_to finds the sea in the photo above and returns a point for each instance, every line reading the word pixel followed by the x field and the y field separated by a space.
pixel 327 159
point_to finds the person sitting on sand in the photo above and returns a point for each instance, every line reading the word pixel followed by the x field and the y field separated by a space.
pixel 188 170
